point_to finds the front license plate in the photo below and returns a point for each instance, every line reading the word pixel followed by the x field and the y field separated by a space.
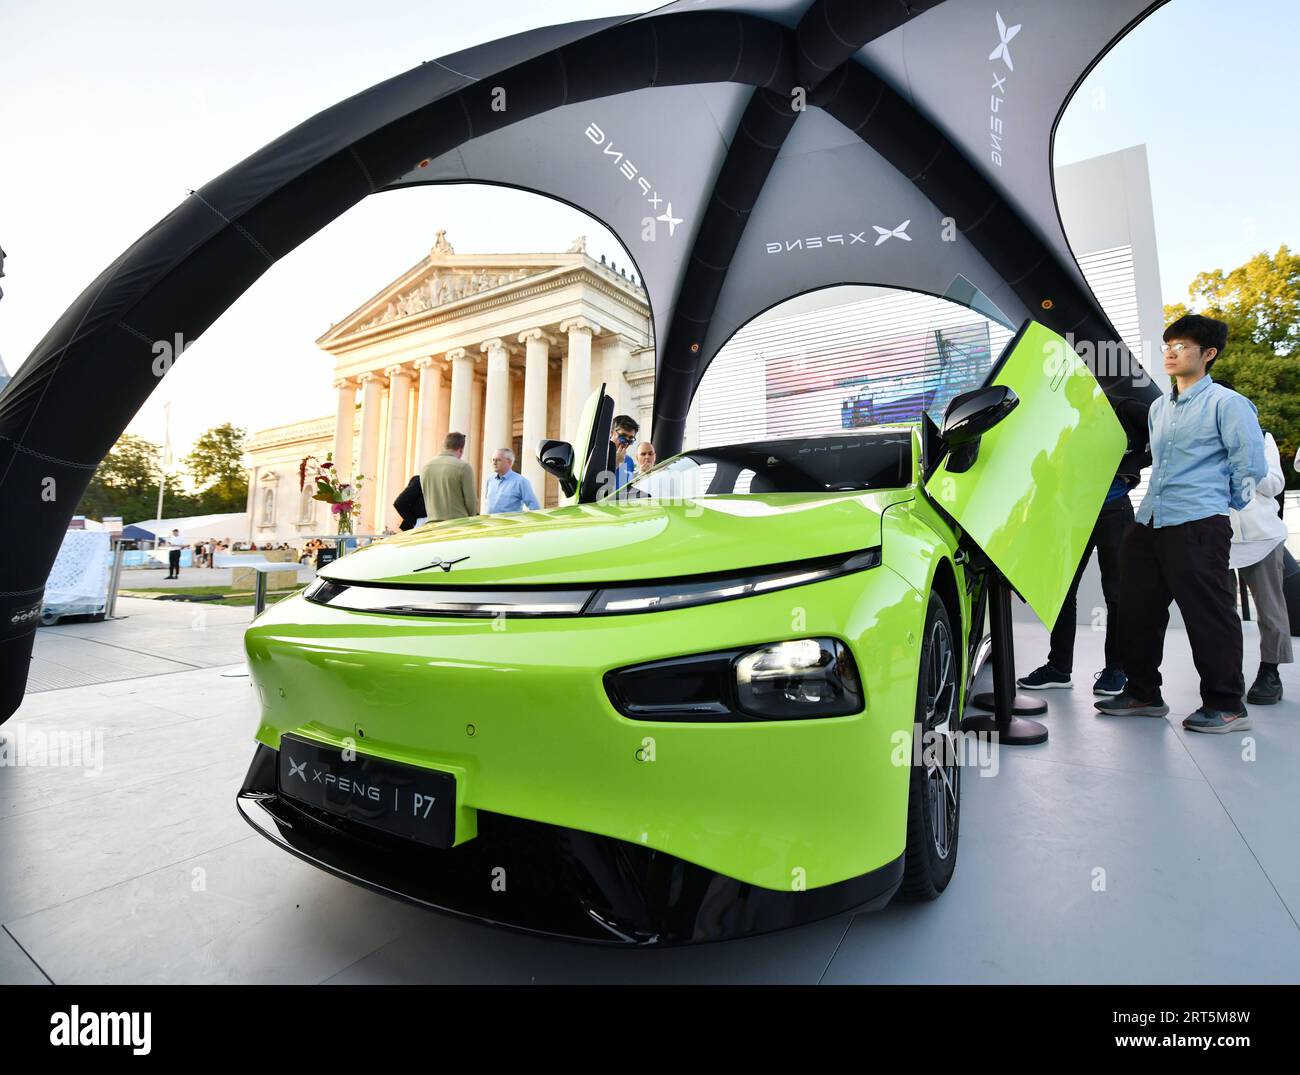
pixel 404 800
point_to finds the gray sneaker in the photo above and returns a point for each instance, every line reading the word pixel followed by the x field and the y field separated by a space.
pixel 1216 721
pixel 1125 705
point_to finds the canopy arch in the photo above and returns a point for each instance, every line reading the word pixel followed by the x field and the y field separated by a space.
pixel 744 62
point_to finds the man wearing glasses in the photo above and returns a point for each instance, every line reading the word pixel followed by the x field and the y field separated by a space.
pixel 1208 452
pixel 621 436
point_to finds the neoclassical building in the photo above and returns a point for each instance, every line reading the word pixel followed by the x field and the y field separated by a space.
pixel 278 508
pixel 504 348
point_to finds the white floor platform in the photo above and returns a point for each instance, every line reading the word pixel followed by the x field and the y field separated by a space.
pixel 144 871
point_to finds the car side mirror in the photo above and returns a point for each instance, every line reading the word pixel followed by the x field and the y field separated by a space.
pixel 969 416
pixel 556 457
pixel 972 414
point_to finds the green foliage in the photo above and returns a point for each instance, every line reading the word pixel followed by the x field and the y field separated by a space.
pixel 1260 301
pixel 216 466
pixel 126 484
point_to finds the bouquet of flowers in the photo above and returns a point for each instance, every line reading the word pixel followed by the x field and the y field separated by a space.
pixel 332 489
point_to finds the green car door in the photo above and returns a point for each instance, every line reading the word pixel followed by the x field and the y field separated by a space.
pixel 1040 475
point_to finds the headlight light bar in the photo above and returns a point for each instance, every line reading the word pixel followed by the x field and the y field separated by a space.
pixel 620 599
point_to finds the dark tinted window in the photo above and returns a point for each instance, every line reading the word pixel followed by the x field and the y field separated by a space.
pixel 795 465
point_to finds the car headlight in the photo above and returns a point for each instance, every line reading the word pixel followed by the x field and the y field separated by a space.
pixel 809 677
pixel 802 678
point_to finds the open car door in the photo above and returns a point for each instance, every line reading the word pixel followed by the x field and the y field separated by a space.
pixel 1028 490
pixel 591 472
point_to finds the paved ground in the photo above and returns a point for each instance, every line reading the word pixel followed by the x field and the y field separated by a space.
pixel 144 871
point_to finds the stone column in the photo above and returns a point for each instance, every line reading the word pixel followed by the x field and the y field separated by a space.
pixel 462 390
pixel 580 331
pixel 616 355
pixel 344 421
pixel 516 385
pixel 430 407
pixel 372 398
pixel 536 363
pixel 496 403
pixel 442 424
pixel 474 447
pixel 399 405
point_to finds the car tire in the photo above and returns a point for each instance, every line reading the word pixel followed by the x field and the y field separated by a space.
pixel 934 788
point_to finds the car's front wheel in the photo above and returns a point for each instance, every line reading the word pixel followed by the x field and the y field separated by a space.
pixel 934 792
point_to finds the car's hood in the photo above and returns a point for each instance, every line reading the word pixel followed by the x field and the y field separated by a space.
pixel 625 541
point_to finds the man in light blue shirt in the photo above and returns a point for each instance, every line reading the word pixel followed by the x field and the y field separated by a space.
pixel 1207 452
pixel 506 489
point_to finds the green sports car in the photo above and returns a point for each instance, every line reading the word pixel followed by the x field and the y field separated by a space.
pixel 685 709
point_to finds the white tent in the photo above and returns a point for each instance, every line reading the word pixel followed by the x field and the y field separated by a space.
pixel 194 528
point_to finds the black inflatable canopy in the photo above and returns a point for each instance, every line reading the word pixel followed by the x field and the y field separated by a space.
pixel 743 153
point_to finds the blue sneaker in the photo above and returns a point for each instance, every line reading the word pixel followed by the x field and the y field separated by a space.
pixel 1110 681
pixel 1044 678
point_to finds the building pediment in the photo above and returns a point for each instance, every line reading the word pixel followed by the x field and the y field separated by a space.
pixel 442 279
pixel 440 286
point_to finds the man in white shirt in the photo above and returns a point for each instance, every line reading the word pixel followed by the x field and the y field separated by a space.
pixel 1256 553
pixel 174 544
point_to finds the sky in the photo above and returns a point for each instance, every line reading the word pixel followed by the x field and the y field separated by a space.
pixel 110 113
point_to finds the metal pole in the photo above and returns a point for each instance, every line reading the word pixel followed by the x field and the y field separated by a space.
pixel 164 460
pixel 1011 730
pixel 259 593
pixel 115 576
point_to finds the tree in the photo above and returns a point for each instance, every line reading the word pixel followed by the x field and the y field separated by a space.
pixel 1260 301
pixel 216 466
pixel 126 484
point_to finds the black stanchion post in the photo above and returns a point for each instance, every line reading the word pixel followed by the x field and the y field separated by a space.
pixel 259 594
pixel 1011 729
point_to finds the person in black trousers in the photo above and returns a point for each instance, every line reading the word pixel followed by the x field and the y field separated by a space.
pixel 1107 538
pixel 1208 453
pixel 1108 535
pixel 174 555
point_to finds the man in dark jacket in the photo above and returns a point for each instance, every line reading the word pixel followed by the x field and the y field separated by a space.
pixel 410 504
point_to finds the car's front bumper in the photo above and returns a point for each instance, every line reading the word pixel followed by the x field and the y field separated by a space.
pixel 516 711
pixel 546 879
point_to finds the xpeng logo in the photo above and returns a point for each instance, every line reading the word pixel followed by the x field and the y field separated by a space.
pixel 632 174
pixel 446 565
pixel 998 91
pixel 297 768
pixel 841 239
pixel 1005 34
pixel 348 785
pixel 885 234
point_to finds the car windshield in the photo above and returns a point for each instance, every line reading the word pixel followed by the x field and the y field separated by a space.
pixel 881 460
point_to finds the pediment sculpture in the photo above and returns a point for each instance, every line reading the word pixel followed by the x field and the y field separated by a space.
pixel 442 287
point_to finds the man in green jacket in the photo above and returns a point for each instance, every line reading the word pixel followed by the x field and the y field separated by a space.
pixel 447 482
